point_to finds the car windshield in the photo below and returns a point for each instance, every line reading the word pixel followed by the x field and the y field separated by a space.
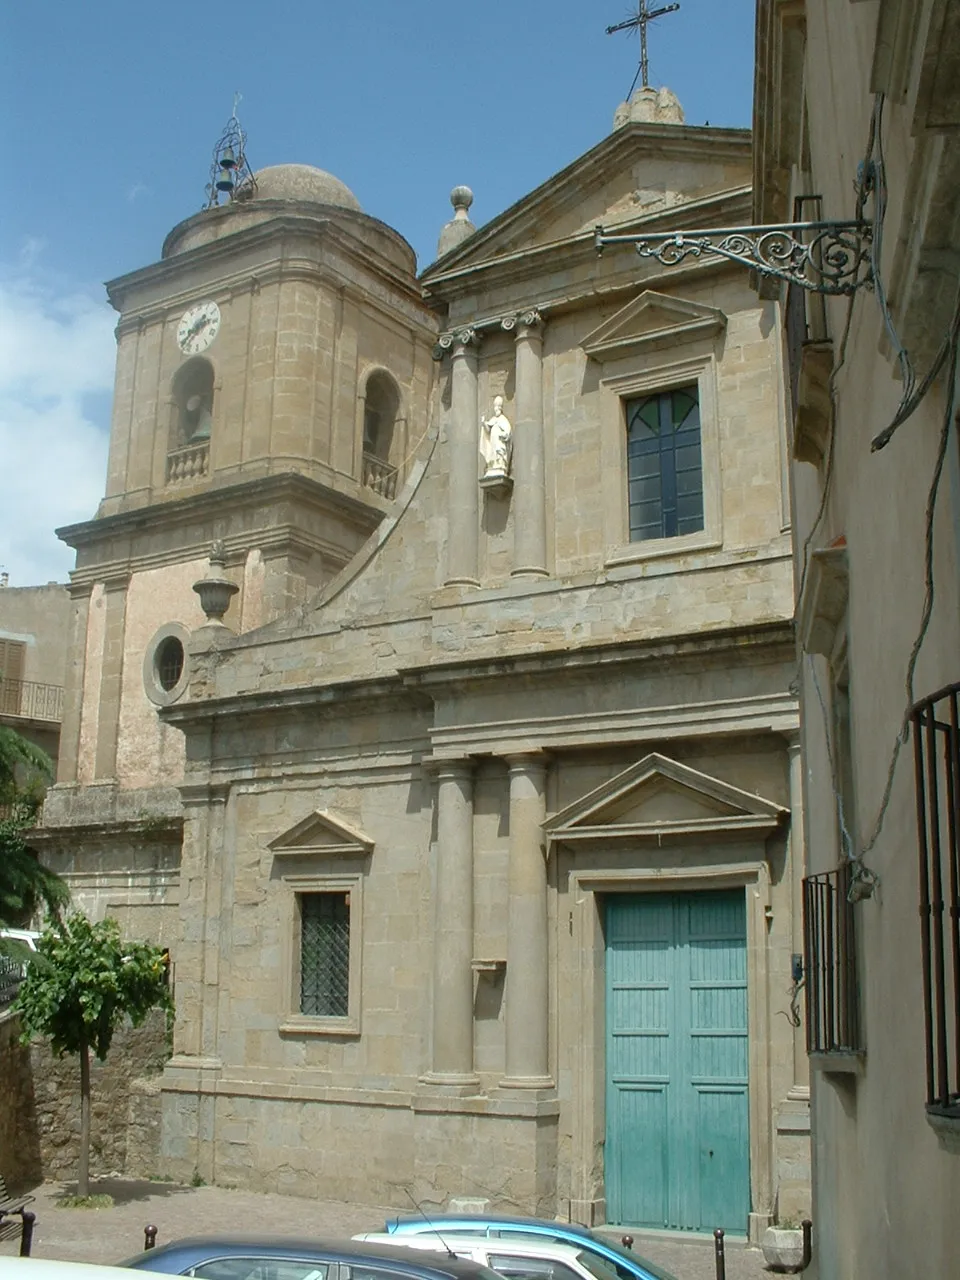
pixel 602 1267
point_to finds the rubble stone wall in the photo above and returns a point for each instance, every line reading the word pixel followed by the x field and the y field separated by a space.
pixel 40 1112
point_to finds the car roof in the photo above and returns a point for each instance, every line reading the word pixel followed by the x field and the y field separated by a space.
pixel 495 1220
pixel 559 1249
pixel 51 1269
pixel 195 1248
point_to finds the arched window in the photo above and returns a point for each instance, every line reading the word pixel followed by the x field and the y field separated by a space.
pixel 380 409
pixel 193 401
pixel 379 415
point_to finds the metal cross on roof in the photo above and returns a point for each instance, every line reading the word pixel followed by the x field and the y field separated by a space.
pixel 640 22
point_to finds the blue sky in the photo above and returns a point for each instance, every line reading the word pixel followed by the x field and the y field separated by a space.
pixel 109 112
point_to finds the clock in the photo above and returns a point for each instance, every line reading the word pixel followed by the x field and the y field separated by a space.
pixel 198 327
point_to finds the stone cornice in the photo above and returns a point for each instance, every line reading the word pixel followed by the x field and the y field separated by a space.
pixel 561 258
pixel 615 151
pixel 228 507
pixel 322 233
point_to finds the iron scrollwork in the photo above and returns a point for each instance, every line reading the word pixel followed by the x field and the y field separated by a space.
pixel 822 257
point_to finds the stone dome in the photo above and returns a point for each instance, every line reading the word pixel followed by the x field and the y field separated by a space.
pixel 305 183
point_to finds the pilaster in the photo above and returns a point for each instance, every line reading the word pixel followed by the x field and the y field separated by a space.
pixel 452 1061
pixel 529 496
pixel 463 495
pixel 527 991
pixel 111 679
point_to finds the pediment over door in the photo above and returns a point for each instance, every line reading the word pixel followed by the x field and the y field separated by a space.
pixel 322 834
pixel 658 798
pixel 651 321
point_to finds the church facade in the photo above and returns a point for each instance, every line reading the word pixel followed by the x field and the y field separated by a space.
pixel 465 787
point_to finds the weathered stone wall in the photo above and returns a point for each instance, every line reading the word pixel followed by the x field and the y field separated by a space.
pixel 19 1150
pixel 40 1114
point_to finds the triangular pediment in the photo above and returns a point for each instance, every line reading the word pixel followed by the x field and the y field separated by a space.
pixel 657 797
pixel 652 320
pixel 639 171
pixel 322 833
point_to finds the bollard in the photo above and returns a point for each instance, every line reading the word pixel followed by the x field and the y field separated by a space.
pixel 150 1237
pixel 26 1232
pixel 718 1250
pixel 627 1241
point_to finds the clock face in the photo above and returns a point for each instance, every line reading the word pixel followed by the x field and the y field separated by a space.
pixel 198 327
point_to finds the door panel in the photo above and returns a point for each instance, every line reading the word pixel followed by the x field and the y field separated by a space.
pixel 677 1150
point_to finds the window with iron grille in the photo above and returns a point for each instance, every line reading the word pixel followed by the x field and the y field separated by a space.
pixel 324 954
pixel 833 1019
pixel 936 744
pixel 664 467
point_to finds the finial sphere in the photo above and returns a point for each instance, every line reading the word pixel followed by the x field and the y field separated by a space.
pixel 461 197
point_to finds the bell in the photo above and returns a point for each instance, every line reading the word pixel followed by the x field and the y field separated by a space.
pixel 227 158
pixel 225 180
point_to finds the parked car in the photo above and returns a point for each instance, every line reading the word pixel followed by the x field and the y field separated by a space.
pixel 263 1258
pixel 48 1269
pixel 13 961
pixel 515 1257
pixel 627 1264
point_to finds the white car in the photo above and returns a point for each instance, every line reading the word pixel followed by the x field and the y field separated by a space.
pixel 513 1258
pixel 47 1269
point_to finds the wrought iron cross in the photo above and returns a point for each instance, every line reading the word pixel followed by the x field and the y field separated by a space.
pixel 640 23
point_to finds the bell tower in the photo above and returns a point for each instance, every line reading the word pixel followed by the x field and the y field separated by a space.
pixel 281 324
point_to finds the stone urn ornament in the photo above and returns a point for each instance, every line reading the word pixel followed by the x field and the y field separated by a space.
pixel 216 590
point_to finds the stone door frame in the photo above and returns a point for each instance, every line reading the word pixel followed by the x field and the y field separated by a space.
pixel 588 1013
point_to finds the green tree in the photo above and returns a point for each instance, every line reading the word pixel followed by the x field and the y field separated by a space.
pixel 90 982
pixel 25 884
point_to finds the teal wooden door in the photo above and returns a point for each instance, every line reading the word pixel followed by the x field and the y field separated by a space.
pixel 677 1143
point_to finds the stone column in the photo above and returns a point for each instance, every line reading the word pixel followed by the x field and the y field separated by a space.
pixel 463 499
pixel 453 936
pixel 801 1064
pixel 529 494
pixel 527 991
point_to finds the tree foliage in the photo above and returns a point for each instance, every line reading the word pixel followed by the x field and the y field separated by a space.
pixel 91 982
pixel 25 884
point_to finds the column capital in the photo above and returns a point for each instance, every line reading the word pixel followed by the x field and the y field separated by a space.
pixel 525 322
pixel 532 761
pixel 455 767
pixel 460 342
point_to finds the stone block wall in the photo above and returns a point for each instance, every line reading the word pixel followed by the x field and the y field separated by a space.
pixel 40 1111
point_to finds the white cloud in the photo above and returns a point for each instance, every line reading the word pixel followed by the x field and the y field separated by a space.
pixel 56 348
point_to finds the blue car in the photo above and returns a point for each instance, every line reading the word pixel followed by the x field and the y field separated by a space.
pixel 627 1264
pixel 265 1258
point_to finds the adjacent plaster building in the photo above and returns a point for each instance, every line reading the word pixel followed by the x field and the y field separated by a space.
pixel 857 114
pixel 33 656
pixel 465 790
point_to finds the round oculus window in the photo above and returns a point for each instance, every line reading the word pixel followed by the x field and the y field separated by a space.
pixel 168 663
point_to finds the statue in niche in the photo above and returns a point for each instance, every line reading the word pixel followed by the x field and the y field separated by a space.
pixel 496 441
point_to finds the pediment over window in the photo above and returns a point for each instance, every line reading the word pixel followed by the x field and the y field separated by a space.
pixel 657 797
pixel 651 321
pixel 322 834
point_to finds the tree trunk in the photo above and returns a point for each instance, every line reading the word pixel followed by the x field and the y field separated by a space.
pixel 83 1178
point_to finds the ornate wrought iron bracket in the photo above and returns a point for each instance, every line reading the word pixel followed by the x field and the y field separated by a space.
pixel 823 257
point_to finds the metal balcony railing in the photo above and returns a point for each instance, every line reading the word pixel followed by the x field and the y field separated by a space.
pixel 936 744
pixel 31 700
pixel 379 476
pixel 833 1022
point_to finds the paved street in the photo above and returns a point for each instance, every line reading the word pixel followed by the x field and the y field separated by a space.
pixel 108 1235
